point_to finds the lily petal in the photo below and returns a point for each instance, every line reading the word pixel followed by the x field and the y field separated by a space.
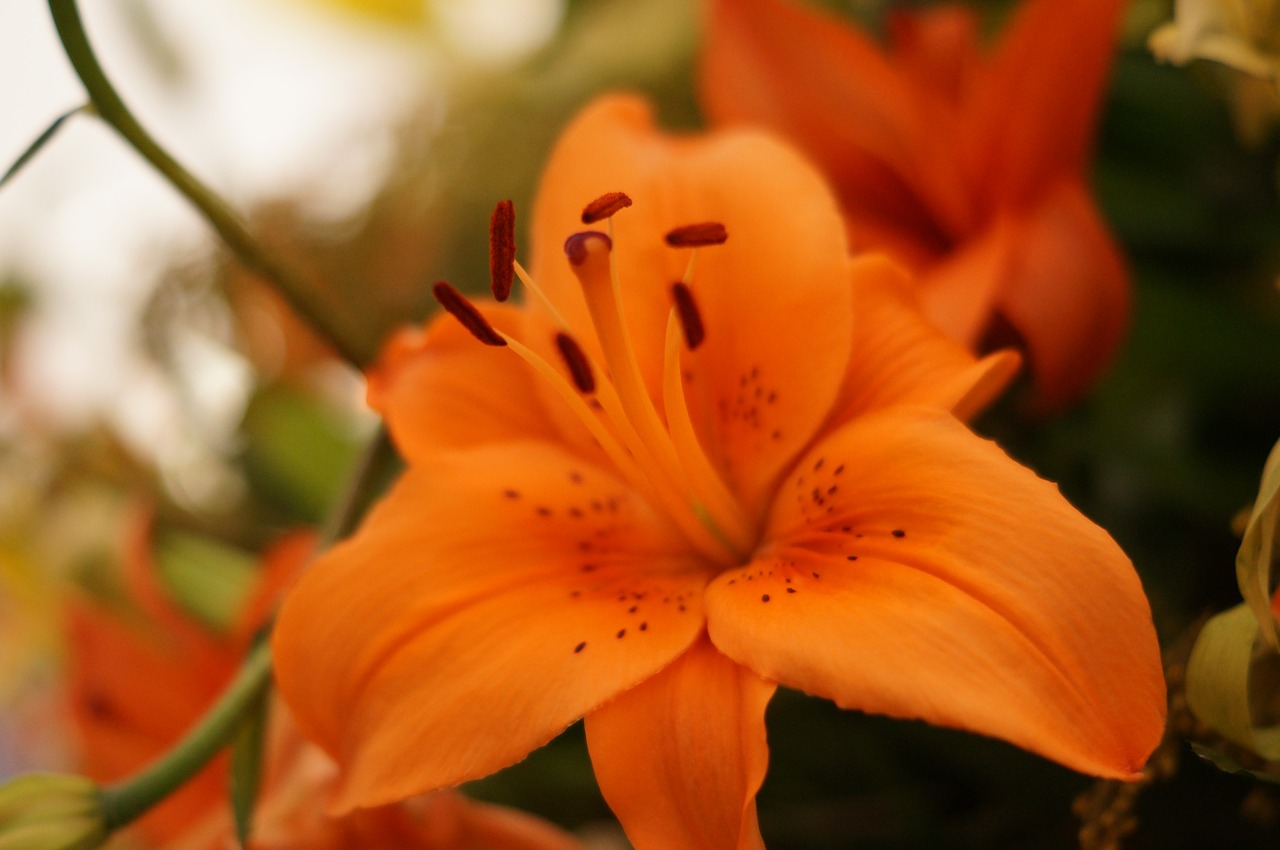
pixel 899 358
pixel 680 757
pixel 440 389
pixel 1036 104
pixel 918 572
pixel 490 600
pixel 828 87
pixel 757 294
pixel 1066 293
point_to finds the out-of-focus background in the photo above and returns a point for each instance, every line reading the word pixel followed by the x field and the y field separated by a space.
pixel 367 140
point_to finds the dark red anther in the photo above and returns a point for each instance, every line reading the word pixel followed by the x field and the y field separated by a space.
pixel 605 206
pixel 687 312
pixel 697 235
pixel 575 247
pixel 579 367
pixel 502 250
pixel 457 305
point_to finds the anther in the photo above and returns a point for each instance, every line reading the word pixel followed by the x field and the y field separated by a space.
pixel 605 206
pixel 456 305
pixel 576 360
pixel 502 250
pixel 687 312
pixel 578 246
pixel 696 235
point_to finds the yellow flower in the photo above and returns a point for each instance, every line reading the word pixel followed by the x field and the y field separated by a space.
pixel 1241 34
pixel 51 812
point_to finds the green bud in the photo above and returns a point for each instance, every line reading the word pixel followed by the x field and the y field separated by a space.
pixel 47 811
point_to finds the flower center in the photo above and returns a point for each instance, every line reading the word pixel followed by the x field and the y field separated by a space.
pixel 659 455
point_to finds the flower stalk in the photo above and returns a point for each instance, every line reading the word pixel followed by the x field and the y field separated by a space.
pixel 299 292
pixel 125 801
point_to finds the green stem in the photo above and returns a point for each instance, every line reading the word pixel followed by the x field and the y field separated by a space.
pixel 123 802
pixel 296 290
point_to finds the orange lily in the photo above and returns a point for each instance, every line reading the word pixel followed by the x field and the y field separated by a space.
pixel 139 682
pixel 654 536
pixel 969 168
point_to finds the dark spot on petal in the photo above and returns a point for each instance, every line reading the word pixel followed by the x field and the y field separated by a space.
pixel 853 557
pixel 589 568
pixel 817 575
pixel 511 494
pixel 621 633
pixel 764 598
pixel 898 532
pixel 791 590
pixel 580 647
pixel 544 511
pixel 839 469
pixel 644 627
pixel 633 609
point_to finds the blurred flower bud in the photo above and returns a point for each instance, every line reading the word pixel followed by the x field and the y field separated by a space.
pixel 45 811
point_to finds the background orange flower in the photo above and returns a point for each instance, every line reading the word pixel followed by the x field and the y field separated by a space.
pixel 969 166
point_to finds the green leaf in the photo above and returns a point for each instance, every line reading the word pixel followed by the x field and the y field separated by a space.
pixel 246 768
pixel 298 452
pixel 206 577
pixel 1224 681
pixel 41 141
pixel 1257 550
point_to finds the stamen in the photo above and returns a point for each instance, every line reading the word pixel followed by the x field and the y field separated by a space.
pixel 579 366
pixel 696 235
pixel 591 257
pixel 467 314
pixel 648 482
pixel 502 249
pixel 722 506
pixel 690 318
pixel 605 206
pixel 541 296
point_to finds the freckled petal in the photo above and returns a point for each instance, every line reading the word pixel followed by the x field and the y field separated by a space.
pixel 1036 105
pixel 680 757
pixel 999 609
pixel 774 298
pixel 442 389
pixel 438 644
pixel 1067 294
pixel 899 358
pixel 822 83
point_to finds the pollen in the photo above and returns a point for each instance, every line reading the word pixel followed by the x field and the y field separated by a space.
pixel 502 250
pixel 467 314
pixel 605 206
pixel 576 361
pixel 698 235
pixel 690 319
